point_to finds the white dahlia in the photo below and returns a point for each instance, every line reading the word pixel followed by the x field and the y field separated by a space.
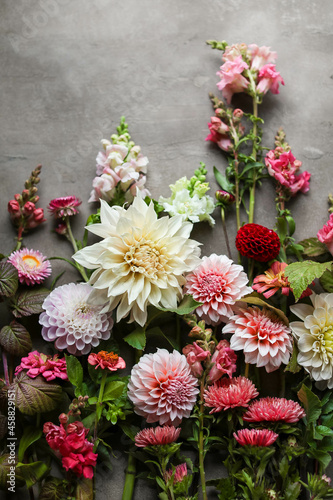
pixel 140 261
pixel 314 337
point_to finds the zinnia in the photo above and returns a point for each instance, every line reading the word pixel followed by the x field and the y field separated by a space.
pixel 64 207
pixel 263 337
pixel 230 393
pixel 140 261
pixel 314 337
pixel 106 361
pixel 71 321
pixel 162 387
pixel 157 436
pixel 50 367
pixel 257 242
pixel 31 265
pixel 274 410
pixel 255 437
pixel 217 282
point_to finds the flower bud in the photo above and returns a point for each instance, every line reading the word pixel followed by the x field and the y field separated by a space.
pixel 18 197
pixel 36 218
pixel 34 199
pixel 63 418
pixel 28 208
pixel 61 229
pixel 238 113
pixel 33 190
pixel 14 208
pixel 224 197
pixel 25 194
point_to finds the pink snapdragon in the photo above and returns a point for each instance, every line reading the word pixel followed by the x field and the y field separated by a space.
pixel 325 234
pixel 223 360
pixel 194 356
pixel 269 79
pixel 50 367
pixel 219 133
pixel 261 56
pixel 232 81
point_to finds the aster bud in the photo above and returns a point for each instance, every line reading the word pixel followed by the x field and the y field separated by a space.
pixel 63 418
pixel 224 197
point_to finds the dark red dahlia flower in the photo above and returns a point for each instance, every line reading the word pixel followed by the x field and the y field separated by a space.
pixel 257 242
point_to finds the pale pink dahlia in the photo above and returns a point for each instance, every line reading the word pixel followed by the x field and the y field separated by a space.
pixel 255 437
pixel 71 321
pixel 217 282
pixel 157 436
pixel 263 337
pixel 230 393
pixel 274 410
pixel 50 367
pixel 162 387
pixel 64 206
pixel 31 265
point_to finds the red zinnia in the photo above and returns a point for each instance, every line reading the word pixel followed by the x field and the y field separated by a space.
pixel 230 393
pixel 257 242
pixel 255 437
pixel 157 436
pixel 274 410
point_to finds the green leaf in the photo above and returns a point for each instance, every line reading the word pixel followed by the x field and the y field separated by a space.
pixel 186 306
pixel 32 473
pixel 291 224
pixel 137 338
pixel 7 464
pixel 8 279
pixel 28 302
pixel 324 431
pixel 301 274
pixel 130 430
pixel 223 181
pixel 74 370
pixel 312 247
pixel 15 339
pixel 326 281
pixel 113 390
pixel 255 300
pixel 31 434
pixel 34 395
pixel 281 228
pixel 159 333
pixel 293 366
pixel 311 404
pixel 84 489
pixel 54 489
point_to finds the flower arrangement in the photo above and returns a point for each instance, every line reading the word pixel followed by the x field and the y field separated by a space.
pixel 230 358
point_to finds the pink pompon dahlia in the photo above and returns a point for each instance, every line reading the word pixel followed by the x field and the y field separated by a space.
pixel 178 473
pixel 230 393
pixel 162 387
pixel 106 361
pixel 274 410
pixel 261 334
pixel 157 436
pixel 325 234
pixel 218 283
pixel 64 206
pixel 255 437
pixel 31 265
pixel 37 363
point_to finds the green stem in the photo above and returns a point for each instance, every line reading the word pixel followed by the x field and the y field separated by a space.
pixel 19 238
pixel 254 155
pixel 99 403
pixel 201 444
pixel 73 242
pixel 225 232
pixel 129 478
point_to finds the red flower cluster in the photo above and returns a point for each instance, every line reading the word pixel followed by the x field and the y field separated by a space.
pixel 70 442
pixel 257 242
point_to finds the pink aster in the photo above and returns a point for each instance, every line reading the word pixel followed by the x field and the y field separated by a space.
pixel 162 387
pixel 269 79
pixel 64 207
pixel 223 361
pixel 106 361
pixel 274 410
pixel 232 81
pixel 255 437
pixel 325 234
pixel 230 393
pixel 218 283
pixel 178 473
pixel 263 337
pixel 31 265
pixel 50 367
pixel 157 436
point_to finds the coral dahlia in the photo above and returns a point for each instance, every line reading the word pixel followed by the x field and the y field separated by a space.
pixel 217 282
pixel 157 436
pixel 257 242
pixel 31 265
pixel 162 387
pixel 264 338
pixel 64 206
pixel 274 410
pixel 230 393
pixel 255 437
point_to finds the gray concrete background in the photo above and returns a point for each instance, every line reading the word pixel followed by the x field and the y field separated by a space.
pixel 70 69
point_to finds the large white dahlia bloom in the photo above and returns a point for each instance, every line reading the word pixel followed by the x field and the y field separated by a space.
pixel 140 261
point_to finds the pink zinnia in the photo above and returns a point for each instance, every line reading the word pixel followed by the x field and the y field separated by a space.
pixel 162 387
pixel 223 361
pixel 255 437
pixel 263 337
pixel 50 367
pixel 31 265
pixel 157 436
pixel 325 234
pixel 179 473
pixel 218 283
pixel 274 410
pixel 106 361
pixel 230 393
pixel 232 80
pixel 269 79
pixel 64 207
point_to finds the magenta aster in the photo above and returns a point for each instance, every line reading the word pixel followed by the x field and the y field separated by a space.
pixel 274 410
pixel 31 265
pixel 157 436
pixel 230 393
pixel 162 387
pixel 50 367
pixel 255 437
pixel 65 206
pixel 217 282
pixel 71 321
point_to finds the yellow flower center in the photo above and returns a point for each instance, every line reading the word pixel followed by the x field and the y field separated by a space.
pixel 146 259
pixel 324 343
pixel 31 261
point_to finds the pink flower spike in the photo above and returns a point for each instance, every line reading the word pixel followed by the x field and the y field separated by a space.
pixel 31 265
pixel 195 355
pixel 232 80
pixel 325 234
pixel 274 410
pixel 64 207
pixel 106 361
pixel 230 393
pixel 157 436
pixel 269 79
pixel 255 437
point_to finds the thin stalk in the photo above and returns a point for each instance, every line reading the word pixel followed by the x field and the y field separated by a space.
pixel 225 232
pixel 19 238
pixel 99 402
pixel 73 242
pixel 247 368
pixel 254 154
pixel 201 444
pixel 129 478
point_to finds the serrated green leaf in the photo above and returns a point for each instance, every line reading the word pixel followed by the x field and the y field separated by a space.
pixel 31 434
pixel 54 489
pixel 7 464
pixel 255 300
pixel 137 339
pixel 312 247
pixel 15 339
pixel 84 489
pixel 8 279
pixel 311 404
pixel 301 274
pixel 223 181
pixel 34 395
pixel 28 302
pixel 326 281
pixel 113 390
pixel 186 306
pixel 74 370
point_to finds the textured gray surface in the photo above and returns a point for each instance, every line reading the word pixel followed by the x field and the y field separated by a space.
pixel 71 68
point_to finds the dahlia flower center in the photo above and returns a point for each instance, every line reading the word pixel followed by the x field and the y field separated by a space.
pixel 109 357
pixel 324 343
pixel 212 283
pixel 31 261
pixel 145 259
pixel 175 392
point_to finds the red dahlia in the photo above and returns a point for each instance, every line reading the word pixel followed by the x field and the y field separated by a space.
pixel 257 242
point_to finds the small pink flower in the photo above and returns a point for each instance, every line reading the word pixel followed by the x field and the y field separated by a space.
pixel 106 361
pixel 61 229
pixel 162 387
pixel 13 207
pixel 273 280
pixel 274 410
pixel 232 80
pixel 31 265
pixel 179 472
pixel 269 79
pixel 64 207
pixel 224 362
pixel 50 367
pixel 230 393
pixel 260 56
pixel 219 133
pixel 157 436
pixel 255 437
pixel 103 188
pixel 35 219
pixel 83 463
pixel 282 165
pixel 325 234
pixel 195 355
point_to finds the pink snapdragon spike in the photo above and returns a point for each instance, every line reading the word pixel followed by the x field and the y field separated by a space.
pixel 35 219
pixel 269 79
pixel 64 207
pixel 50 367
pixel 195 355
pixel 157 436
pixel 260 56
pixel 325 234
pixel 32 266
pixel 162 387
pixel 219 133
pixel 274 410
pixel 283 166
pixel 262 336
pixel 232 81
pixel 106 361
pixel 179 472
pixel 255 437
pixel 230 393
pixel 274 280
pixel 223 360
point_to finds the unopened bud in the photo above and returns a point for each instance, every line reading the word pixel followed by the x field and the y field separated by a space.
pixel 63 418
pixel 14 208
pixel 238 113
pixel 61 229
pixel 28 208
pixel 34 199
pixel 224 197
pixel 18 197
